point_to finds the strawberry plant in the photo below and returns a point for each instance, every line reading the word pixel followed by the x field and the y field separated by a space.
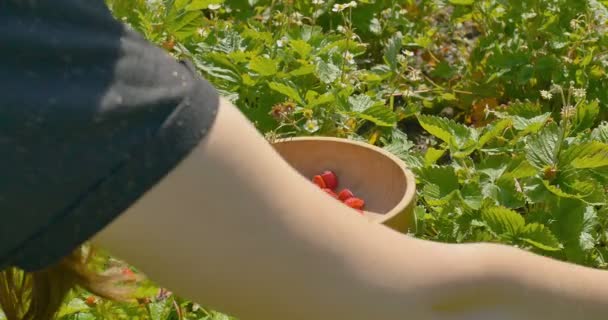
pixel 498 106
pixel 531 179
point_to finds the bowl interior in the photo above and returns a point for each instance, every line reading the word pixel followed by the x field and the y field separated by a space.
pixel 370 173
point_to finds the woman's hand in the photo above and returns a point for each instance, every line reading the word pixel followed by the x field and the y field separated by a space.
pixel 236 228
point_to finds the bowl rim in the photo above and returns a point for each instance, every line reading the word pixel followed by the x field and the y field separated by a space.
pixel 410 189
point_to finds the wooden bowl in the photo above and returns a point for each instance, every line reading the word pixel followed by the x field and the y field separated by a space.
pixel 373 174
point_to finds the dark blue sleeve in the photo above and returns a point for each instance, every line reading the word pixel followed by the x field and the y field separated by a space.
pixel 91 117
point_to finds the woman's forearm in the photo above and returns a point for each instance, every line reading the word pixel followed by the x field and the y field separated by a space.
pixel 540 287
pixel 235 228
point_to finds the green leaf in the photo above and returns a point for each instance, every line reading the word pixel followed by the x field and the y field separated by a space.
pixel 325 98
pixel 375 26
pixel 536 192
pixel 327 72
pixel 185 26
pixel 393 48
pixel 493 131
pixel 438 182
pixel 432 155
pixel 159 310
pixel 263 66
pixel 541 148
pixel 379 115
pixel 462 2
pixel 586 115
pixel 540 236
pixel 217 72
pixel 600 133
pixel 520 168
pixel 342 45
pixel 526 110
pixel 456 135
pixel 444 70
pixel 202 4
pixel 471 195
pixel 360 103
pixel 569 215
pixel 556 190
pixel 530 125
pixel 286 90
pixel 508 194
pixel 75 305
pixel 301 47
pixel 493 166
pixel 398 145
pixel 502 220
pixel 303 70
pixel 592 154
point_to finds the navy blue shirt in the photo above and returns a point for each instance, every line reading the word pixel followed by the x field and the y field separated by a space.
pixel 91 117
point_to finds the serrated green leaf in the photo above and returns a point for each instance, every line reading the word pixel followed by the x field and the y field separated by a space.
pixel 444 70
pixel 159 310
pixel 360 103
pixel 398 145
pixel 327 72
pixel 526 110
pixel 456 135
pixel 438 182
pixel 536 192
pixel 530 125
pixel 218 72
pixel 502 220
pixel 379 115
pixel 286 90
pixel 592 154
pixel 321 100
pixel 432 155
pixel 494 130
pixel 462 2
pixel 494 166
pixel 301 47
pixel 75 305
pixel 585 187
pixel 185 25
pixel 569 214
pixel 472 195
pixel 540 236
pixel 600 133
pixel 556 190
pixel 586 115
pixel 541 148
pixel 303 70
pixel 343 45
pixel 375 26
pixel 509 194
pixel 263 66
pixel 520 169
pixel 587 241
pixel 393 48
pixel 202 4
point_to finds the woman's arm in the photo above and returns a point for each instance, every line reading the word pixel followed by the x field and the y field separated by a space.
pixel 236 228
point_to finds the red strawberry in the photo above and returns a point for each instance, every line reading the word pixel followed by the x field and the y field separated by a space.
pixel 330 178
pixel 345 194
pixel 331 192
pixel 127 272
pixel 355 203
pixel 90 301
pixel 318 180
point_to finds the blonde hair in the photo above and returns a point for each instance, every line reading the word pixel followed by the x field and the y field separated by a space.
pixel 39 295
